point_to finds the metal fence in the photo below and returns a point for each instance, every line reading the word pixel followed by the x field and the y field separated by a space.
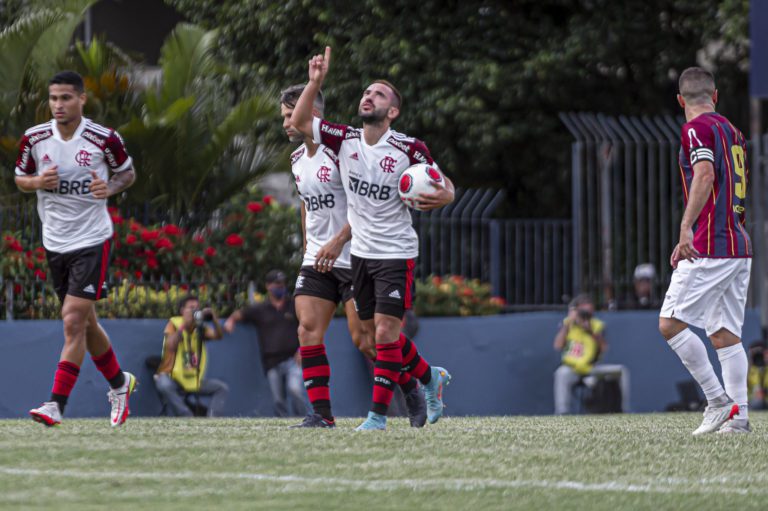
pixel 627 203
pixel 527 262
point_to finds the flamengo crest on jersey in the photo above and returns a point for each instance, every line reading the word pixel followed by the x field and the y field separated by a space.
pixel 319 185
pixel 720 229
pixel 72 218
pixel 380 221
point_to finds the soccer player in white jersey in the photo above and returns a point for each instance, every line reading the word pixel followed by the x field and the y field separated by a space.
pixel 384 243
pixel 67 161
pixel 325 278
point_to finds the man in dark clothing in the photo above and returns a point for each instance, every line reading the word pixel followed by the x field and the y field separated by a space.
pixel 276 324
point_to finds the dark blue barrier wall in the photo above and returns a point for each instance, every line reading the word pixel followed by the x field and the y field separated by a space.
pixel 501 364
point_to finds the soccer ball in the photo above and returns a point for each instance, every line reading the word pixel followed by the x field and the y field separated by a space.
pixel 418 179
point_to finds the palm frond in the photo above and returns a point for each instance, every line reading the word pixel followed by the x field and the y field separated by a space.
pixel 186 55
pixel 18 43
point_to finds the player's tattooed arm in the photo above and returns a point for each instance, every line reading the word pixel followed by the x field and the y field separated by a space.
pixel 327 255
pixel 117 183
pixel 46 180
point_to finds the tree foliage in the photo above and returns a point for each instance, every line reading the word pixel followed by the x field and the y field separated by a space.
pixel 483 80
pixel 193 145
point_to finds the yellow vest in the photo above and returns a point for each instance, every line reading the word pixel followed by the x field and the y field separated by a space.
pixel 187 370
pixel 757 379
pixel 581 349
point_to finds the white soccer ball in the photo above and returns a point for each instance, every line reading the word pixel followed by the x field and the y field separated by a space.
pixel 418 179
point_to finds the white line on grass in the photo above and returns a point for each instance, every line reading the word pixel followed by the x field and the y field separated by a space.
pixel 328 483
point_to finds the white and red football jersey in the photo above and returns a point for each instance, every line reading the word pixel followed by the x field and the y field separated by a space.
pixel 381 223
pixel 72 218
pixel 318 182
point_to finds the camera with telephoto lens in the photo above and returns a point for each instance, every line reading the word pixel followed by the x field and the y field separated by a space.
pixel 202 316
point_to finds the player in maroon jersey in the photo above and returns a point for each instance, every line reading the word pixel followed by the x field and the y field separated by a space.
pixel 713 258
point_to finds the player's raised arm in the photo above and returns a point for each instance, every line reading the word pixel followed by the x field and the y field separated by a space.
pixel 302 112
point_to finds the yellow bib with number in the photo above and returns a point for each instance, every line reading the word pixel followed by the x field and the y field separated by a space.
pixel 190 362
pixel 581 348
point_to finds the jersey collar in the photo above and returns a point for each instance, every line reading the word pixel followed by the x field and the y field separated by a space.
pixel 78 131
pixel 383 138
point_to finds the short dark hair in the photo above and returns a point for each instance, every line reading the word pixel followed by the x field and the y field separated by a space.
pixel 186 299
pixel 68 78
pixel 696 85
pixel 290 96
pixel 396 92
pixel 581 299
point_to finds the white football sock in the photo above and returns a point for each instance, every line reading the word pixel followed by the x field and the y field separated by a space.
pixel 691 350
pixel 733 361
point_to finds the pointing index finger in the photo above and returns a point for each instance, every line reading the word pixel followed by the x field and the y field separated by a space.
pixel 327 55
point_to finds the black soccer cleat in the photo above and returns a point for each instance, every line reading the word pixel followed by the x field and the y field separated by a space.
pixel 417 407
pixel 314 420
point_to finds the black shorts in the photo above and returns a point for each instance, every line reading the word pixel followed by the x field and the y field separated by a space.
pixel 334 286
pixel 82 272
pixel 385 286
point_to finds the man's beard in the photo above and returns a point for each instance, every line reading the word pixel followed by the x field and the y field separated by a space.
pixel 373 117
pixel 298 137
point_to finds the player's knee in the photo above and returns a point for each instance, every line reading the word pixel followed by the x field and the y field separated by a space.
pixel 309 336
pixel 669 328
pixel 386 333
pixel 74 323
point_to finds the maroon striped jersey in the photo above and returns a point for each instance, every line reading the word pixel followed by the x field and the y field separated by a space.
pixel 719 230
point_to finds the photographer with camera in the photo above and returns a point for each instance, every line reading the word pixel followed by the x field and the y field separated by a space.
pixel 581 341
pixel 184 359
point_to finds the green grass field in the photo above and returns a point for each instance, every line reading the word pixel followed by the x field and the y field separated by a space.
pixel 585 462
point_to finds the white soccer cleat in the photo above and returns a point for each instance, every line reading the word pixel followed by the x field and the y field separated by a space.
pixel 48 413
pixel 735 426
pixel 716 416
pixel 119 398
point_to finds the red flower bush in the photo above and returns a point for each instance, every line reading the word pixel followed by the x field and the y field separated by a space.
pixel 172 230
pixel 163 243
pixel 150 235
pixel 267 200
pixel 234 240
pixel 168 251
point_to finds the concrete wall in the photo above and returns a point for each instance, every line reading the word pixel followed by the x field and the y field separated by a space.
pixel 501 364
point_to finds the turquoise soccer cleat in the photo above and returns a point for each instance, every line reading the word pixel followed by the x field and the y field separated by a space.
pixel 375 421
pixel 433 392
